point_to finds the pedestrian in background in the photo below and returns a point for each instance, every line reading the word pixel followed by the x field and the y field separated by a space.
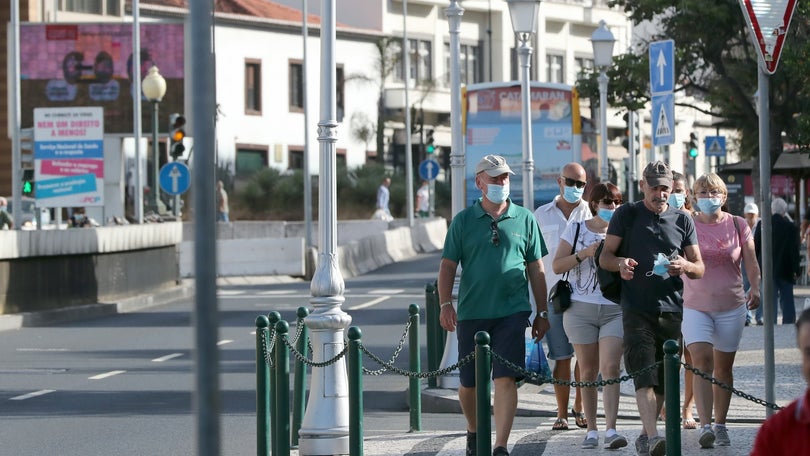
pixel 652 245
pixel 6 222
pixel 751 215
pixel 499 246
pixel 788 431
pixel 681 199
pixel 382 211
pixel 423 200
pixel 716 305
pixel 593 323
pixel 78 219
pixel 566 209
pixel 785 254
pixel 222 203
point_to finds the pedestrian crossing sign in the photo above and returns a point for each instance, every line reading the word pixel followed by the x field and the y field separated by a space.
pixel 715 146
pixel 663 119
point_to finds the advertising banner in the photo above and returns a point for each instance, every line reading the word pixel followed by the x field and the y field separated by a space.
pixel 90 64
pixel 69 156
pixel 493 126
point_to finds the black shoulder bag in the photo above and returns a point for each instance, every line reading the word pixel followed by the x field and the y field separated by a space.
pixel 610 283
pixel 560 294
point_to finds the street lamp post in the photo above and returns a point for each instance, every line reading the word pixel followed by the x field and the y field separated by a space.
pixel 154 87
pixel 524 22
pixel 602 41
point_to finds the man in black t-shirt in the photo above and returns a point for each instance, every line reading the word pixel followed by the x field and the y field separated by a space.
pixel 652 306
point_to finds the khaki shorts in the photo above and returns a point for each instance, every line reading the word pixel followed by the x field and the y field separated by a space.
pixel 586 323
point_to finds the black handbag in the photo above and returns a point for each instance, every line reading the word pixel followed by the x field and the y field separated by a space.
pixel 560 294
pixel 609 282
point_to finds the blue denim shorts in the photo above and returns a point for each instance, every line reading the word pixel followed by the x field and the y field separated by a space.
pixel 556 340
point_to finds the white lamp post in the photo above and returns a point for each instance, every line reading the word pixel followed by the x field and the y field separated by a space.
pixel 602 41
pixel 154 87
pixel 524 22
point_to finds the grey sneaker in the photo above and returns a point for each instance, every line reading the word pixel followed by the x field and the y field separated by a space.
pixel 721 436
pixel 615 442
pixel 590 443
pixel 642 445
pixel 706 438
pixel 658 446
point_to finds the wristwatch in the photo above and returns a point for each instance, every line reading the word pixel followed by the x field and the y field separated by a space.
pixel 576 257
pixel 543 314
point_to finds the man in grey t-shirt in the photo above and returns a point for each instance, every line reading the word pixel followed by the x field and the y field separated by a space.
pixel 638 236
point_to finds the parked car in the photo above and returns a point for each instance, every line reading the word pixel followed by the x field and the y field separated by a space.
pixel 29 210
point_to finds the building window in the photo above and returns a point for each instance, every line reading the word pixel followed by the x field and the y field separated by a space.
pixel 555 69
pixel 340 95
pixel 253 87
pixel 582 66
pixel 470 70
pixel 296 86
pixel 421 62
pixel 296 158
pixel 250 159
pixel 104 7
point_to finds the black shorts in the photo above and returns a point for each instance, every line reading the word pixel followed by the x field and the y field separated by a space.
pixel 644 337
pixel 507 339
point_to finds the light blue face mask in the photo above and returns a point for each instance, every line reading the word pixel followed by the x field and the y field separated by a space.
pixel 605 214
pixel 660 267
pixel 497 193
pixel 677 200
pixel 709 205
pixel 572 194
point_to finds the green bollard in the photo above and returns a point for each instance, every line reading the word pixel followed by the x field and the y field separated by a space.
pixel 483 412
pixel 262 389
pixel 282 360
pixel 672 396
pixel 355 371
pixel 300 376
pixel 273 318
pixel 432 310
pixel 414 386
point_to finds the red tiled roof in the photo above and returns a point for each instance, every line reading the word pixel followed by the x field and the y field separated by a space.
pixel 254 8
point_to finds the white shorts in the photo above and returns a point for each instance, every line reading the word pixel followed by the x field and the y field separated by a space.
pixel 721 329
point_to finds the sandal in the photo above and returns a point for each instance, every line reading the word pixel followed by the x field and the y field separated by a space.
pixel 689 423
pixel 579 419
pixel 560 425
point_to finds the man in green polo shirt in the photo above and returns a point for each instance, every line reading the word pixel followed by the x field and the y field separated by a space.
pixel 499 246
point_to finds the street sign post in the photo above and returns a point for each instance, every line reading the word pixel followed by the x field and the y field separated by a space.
pixel 769 21
pixel 715 146
pixel 663 119
pixel 662 66
pixel 429 169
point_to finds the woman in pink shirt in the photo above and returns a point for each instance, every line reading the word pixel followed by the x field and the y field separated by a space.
pixel 715 306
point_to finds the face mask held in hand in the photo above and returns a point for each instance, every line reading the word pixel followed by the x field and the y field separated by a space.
pixel 660 267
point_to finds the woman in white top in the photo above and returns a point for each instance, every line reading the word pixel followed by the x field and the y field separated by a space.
pixel 593 323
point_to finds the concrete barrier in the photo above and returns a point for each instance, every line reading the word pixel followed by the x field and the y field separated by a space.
pixel 251 257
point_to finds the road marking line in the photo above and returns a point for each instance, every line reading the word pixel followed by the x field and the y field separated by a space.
pixel 230 292
pixel 105 375
pixel 373 302
pixel 30 395
pixel 386 291
pixel 42 349
pixel 224 341
pixel 167 357
pixel 276 292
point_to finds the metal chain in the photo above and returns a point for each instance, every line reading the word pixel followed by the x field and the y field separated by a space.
pixel 267 351
pixel 300 356
pixel 535 379
pixel 739 393
pixel 407 373
pixel 394 356
pixel 299 328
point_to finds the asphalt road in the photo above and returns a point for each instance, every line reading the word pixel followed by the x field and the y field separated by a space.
pixel 122 385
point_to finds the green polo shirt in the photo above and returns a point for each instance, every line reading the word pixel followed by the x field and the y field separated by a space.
pixel 494 282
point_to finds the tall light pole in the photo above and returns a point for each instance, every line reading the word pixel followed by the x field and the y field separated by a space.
pixel 524 22
pixel 602 41
pixel 325 427
pixel 154 87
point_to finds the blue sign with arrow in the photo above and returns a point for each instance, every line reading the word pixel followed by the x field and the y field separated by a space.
pixel 662 66
pixel 429 169
pixel 175 178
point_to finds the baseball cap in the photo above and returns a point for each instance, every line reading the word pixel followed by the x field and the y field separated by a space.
pixel 751 208
pixel 658 173
pixel 494 165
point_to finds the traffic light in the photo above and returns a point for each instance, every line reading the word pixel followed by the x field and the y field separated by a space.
pixel 633 131
pixel 28 182
pixel 693 145
pixel 430 146
pixel 176 135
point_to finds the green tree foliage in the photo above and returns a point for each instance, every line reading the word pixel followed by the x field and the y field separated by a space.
pixel 716 62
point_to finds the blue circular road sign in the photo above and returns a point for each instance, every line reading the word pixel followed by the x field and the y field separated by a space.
pixel 429 169
pixel 175 178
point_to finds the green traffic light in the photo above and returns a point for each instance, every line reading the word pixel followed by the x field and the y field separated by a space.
pixel 28 187
pixel 693 152
pixel 430 148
